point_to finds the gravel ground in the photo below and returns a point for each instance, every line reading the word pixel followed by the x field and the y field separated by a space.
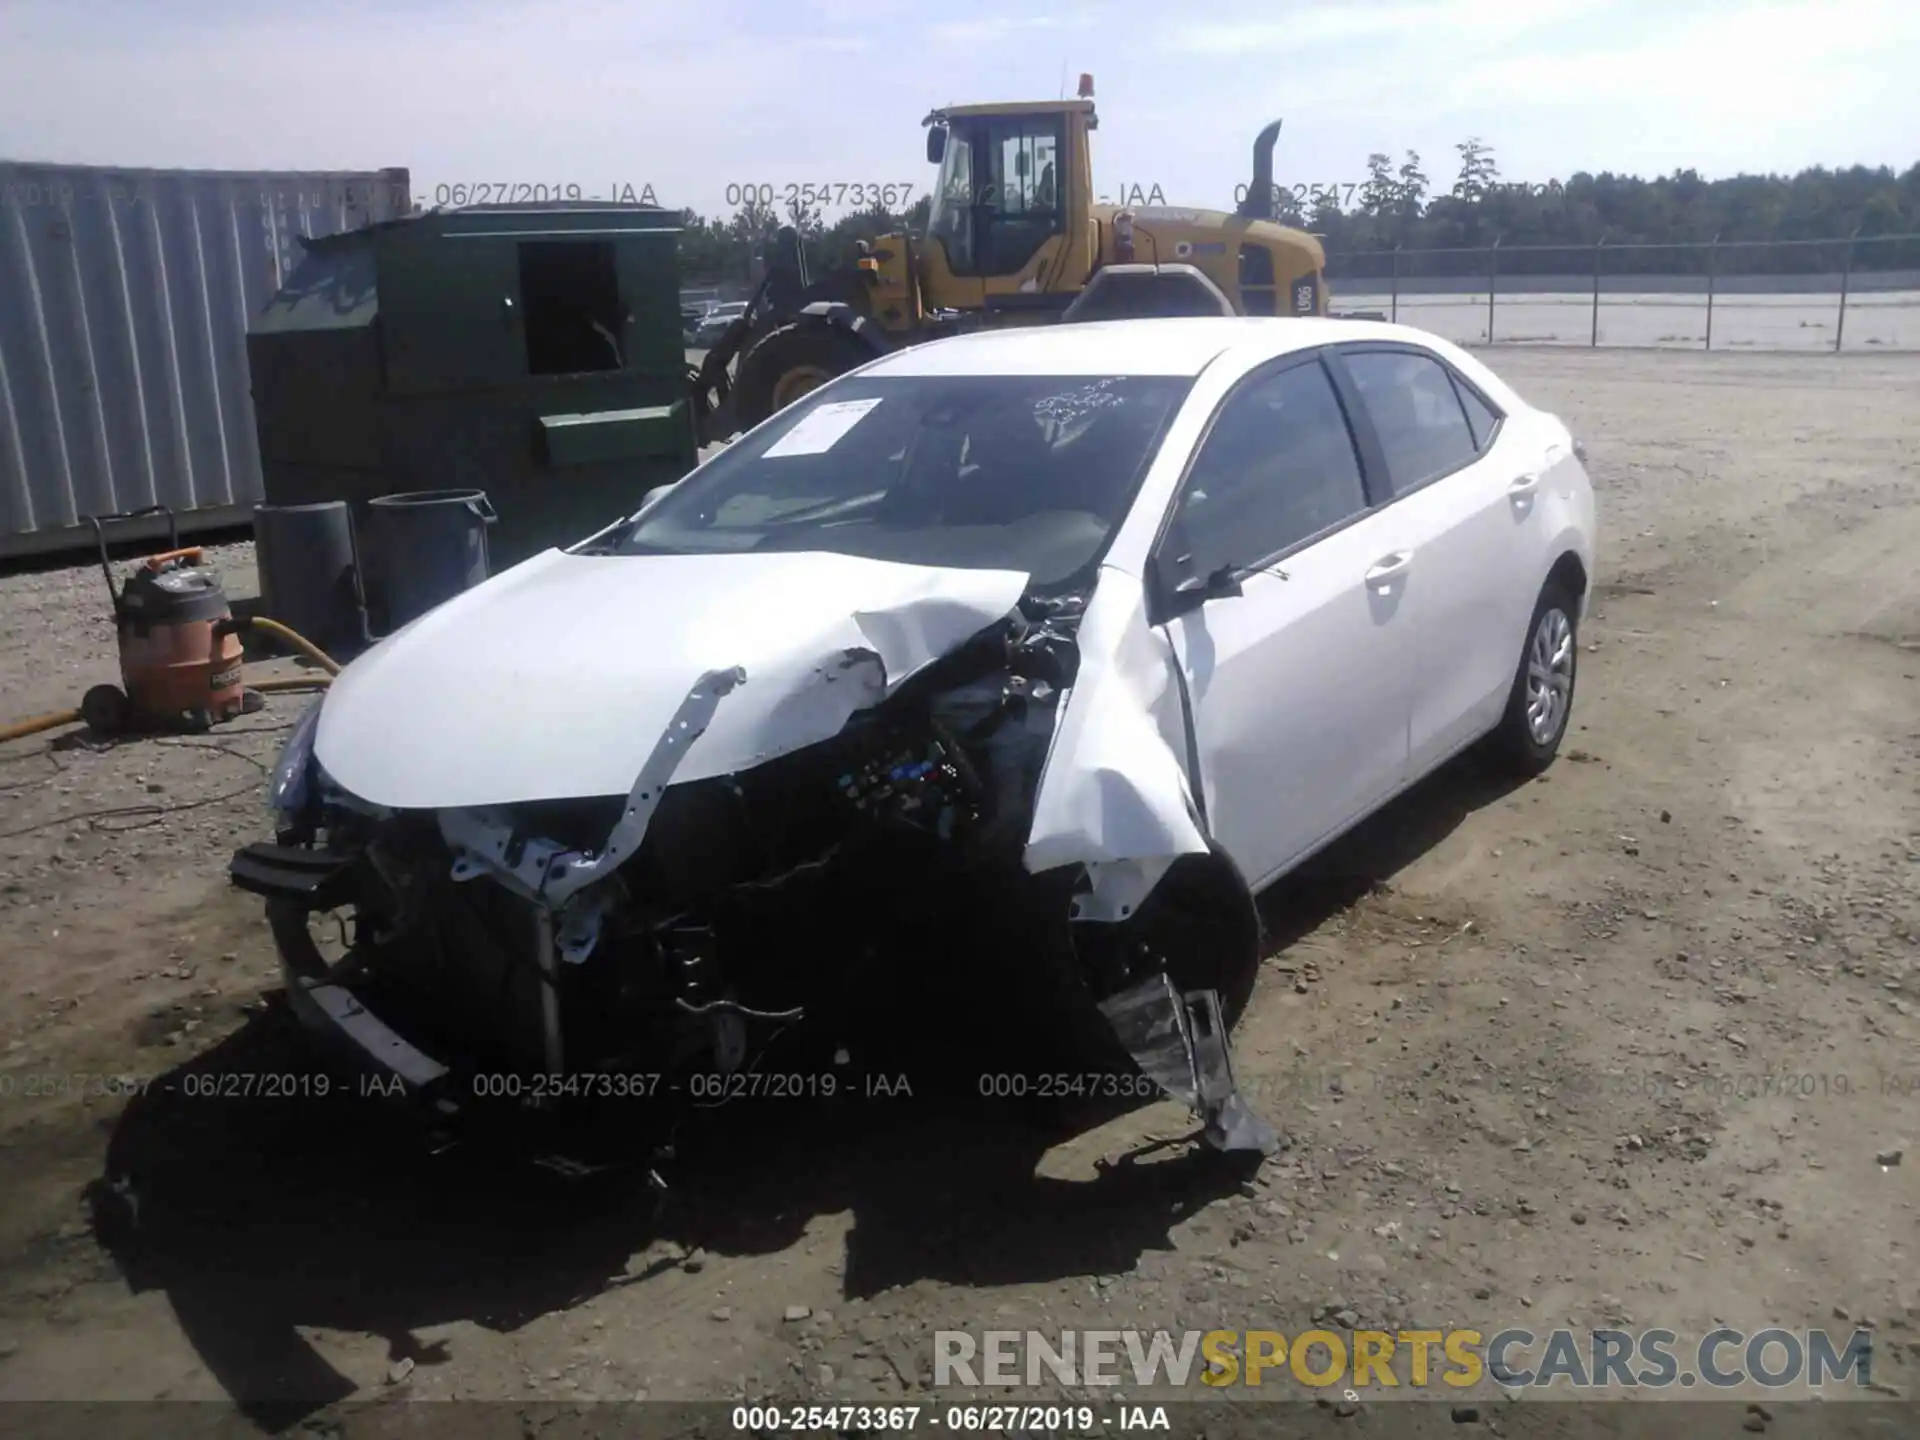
pixel 1634 1044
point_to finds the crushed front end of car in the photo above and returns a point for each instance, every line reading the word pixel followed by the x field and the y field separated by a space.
pixel 881 790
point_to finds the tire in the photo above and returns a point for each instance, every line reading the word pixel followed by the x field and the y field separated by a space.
pixel 1205 896
pixel 1200 898
pixel 770 371
pixel 1524 743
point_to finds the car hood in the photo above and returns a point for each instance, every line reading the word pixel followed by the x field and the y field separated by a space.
pixel 557 678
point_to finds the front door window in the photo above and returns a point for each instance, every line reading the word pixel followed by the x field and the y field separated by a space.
pixel 1020 204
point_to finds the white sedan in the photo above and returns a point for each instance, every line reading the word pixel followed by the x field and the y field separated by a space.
pixel 1029 655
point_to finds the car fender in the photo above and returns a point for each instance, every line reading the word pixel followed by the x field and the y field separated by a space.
pixel 1567 513
pixel 1114 794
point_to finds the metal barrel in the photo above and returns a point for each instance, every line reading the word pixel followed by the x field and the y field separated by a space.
pixel 430 545
pixel 310 573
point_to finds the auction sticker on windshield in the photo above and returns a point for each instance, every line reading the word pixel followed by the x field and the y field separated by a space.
pixel 820 431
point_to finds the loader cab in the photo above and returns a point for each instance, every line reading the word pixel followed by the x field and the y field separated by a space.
pixel 1011 207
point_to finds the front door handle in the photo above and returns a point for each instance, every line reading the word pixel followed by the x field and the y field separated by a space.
pixel 1389 568
pixel 1524 484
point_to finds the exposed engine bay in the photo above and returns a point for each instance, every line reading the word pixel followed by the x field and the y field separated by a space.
pixel 621 947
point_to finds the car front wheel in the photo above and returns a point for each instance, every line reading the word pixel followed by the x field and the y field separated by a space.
pixel 1529 733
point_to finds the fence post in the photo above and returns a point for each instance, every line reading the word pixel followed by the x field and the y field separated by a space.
pixel 1395 314
pixel 1594 342
pixel 1846 277
pixel 1713 252
pixel 1493 275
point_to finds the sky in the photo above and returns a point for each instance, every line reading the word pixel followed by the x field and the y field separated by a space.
pixel 612 95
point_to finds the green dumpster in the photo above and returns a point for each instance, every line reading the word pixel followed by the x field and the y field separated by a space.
pixel 534 353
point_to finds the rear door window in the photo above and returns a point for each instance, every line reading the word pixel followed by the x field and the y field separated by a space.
pixel 1416 412
pixel 1482 417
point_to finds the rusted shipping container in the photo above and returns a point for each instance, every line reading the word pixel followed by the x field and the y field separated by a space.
pixel 125 297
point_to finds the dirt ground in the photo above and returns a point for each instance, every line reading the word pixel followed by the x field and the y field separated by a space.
pixel 1634 1043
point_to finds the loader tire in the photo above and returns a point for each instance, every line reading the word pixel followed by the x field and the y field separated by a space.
pixel 790 362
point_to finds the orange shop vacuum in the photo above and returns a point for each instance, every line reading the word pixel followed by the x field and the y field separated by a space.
pixel 180 658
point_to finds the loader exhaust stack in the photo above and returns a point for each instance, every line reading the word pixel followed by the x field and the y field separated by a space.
pixel 1258 204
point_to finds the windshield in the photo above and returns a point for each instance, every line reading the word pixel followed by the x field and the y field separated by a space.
pixel 984 472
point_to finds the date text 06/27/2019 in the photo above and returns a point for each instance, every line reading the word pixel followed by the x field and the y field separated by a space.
pixel 537 192
pixel 323 193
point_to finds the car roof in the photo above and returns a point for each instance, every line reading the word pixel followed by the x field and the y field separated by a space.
pixel 1184 346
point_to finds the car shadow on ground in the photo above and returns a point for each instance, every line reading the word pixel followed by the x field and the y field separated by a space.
pixel 1380 847
pixel 257 1215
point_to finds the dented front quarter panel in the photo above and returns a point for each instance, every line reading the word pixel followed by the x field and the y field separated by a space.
pixel 1117 794
pixel 1114 794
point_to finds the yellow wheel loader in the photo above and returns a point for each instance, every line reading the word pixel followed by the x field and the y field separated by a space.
pixel 1013 237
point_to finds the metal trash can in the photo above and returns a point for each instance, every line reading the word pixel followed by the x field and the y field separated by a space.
pixel 310 573
pixel 430 546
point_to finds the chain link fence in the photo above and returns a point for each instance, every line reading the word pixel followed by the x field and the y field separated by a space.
pixel 1856 293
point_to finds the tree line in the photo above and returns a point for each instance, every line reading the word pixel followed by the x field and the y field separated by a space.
pixel 1397 208
pixel 1400 207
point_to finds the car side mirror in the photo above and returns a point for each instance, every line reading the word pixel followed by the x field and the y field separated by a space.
pixel 1171 602
pixel 936 144
pixel 1221 584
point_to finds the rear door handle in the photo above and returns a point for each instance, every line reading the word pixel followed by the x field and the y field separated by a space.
pixel 1389 567
pixel 1525 484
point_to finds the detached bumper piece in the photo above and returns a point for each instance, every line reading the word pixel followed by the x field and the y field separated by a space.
pixel 1180 1043
pixel 311 879
pixel 444 1094
pixel 330 1008
pixel 296 881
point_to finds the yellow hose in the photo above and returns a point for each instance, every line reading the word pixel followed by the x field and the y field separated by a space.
pixel 21 729
pixel 24 728
pixel 299 642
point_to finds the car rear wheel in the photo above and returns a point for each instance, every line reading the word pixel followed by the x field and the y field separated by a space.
pixel 1541 702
